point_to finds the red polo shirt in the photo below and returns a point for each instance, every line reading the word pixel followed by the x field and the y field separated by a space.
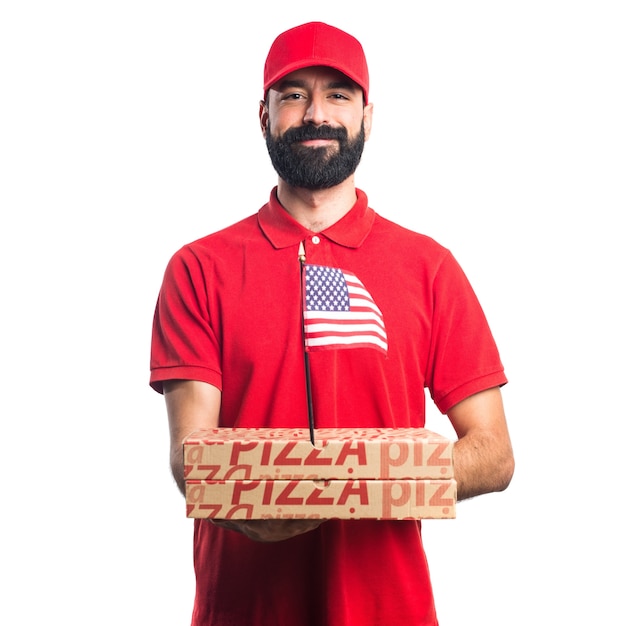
pixel 230 313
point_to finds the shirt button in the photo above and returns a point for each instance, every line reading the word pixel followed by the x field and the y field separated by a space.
pixel 315 239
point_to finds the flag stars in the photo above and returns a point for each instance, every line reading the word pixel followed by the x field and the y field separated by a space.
pixel 326 289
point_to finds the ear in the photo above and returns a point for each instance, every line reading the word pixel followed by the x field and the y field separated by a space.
pixel 263 116
pixel 368 112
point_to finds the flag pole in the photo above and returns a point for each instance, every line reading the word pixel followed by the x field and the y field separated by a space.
pixel 307 367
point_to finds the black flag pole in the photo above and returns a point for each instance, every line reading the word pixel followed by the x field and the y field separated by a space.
pixel 307 367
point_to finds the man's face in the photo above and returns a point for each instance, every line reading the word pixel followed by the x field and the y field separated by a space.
pixel 315 127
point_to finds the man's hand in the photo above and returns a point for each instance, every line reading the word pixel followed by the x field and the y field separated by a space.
pixel 269 530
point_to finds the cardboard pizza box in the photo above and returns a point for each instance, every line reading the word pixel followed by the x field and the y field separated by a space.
pixel 339 453
pixel 323 499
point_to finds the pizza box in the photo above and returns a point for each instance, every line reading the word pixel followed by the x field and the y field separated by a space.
pixel 380 499
pixel 339 453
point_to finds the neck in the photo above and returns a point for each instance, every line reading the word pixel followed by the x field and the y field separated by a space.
pixel 316 210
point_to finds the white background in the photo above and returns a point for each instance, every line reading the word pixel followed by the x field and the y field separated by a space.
pixel 129 128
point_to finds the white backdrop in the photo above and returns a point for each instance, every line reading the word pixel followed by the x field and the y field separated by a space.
pixel 129 128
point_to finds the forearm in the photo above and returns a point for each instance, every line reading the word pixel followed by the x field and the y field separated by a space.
pixel 191 405
pixel 482 464
pixel 177 465
pixel 483 456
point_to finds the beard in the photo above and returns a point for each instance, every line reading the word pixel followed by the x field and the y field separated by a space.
pixel 314 168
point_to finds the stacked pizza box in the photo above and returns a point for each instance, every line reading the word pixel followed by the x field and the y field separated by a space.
pixel 265 473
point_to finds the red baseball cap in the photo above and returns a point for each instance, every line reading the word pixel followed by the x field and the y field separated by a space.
pixel 316 43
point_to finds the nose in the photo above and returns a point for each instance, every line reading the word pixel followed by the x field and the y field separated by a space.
pixel 316 113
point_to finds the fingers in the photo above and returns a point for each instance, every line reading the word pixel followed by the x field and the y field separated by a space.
pixel 269 530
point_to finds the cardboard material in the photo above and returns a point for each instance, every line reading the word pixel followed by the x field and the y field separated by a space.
pixel 339 453
pixel 326 499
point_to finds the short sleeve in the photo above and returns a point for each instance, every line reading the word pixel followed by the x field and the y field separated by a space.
pixel 463 357
pixel 184 343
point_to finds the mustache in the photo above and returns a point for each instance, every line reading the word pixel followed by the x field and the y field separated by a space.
pixel 306 133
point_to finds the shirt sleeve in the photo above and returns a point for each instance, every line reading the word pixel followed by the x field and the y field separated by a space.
pixel 463 358
pixel 184 343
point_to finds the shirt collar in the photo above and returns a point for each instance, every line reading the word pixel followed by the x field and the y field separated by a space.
pixel 282 230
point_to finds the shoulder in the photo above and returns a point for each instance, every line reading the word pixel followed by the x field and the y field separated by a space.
pixel 220 242
pixel 406 241
pixel 246 227
pixel 196 259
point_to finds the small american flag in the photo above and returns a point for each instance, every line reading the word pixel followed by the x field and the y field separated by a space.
pixel 339 312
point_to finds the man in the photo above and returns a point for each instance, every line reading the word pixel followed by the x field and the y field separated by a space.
pixel 228 351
